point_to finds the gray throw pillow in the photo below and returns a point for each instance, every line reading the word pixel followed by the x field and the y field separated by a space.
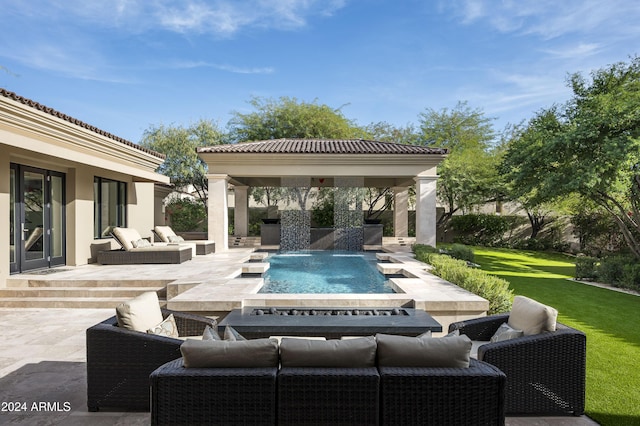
pixel 403 351
pixel 226 354
pixel 211 333
pixel 230 333
pixel 359 352
pixel 505 332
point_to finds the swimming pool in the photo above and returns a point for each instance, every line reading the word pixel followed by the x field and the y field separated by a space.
pixel 324 272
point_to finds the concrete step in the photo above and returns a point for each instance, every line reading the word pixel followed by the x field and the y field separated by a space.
pixel 79 292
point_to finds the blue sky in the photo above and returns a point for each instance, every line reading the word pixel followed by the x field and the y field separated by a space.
pixel 124 65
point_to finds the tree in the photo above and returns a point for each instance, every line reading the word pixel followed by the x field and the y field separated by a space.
pixel 589 147
pixel 468 176
pixel 179 144
pixel 289 118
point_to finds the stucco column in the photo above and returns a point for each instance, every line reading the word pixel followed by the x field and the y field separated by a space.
pixel 426 210
pixel 218 213
pixel 241 213
pixel 400 211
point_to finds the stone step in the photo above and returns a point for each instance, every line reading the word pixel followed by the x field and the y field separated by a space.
pixel 23 283
pixel 79 292
pixel 61 302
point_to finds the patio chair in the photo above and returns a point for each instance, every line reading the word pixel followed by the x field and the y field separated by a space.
pixel 119 361
pixel 166 235
pixel 136 250
pixel 545 371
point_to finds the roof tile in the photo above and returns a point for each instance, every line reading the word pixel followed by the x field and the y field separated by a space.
pixel 321 146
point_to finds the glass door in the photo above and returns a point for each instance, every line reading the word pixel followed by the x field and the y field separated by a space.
pixel 32 225
pixel 37 219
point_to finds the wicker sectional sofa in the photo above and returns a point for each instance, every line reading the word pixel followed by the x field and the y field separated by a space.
pixel 288 394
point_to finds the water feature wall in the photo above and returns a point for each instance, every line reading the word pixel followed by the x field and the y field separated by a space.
pixel 295 221
pixel 347 213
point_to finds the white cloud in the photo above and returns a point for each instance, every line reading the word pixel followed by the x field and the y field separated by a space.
pixel 550 18
pixel 224 67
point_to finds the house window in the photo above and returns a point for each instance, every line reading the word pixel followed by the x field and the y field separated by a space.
pixel 109 206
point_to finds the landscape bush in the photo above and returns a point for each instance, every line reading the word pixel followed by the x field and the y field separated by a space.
pixel 494 289
pixel 487 230
pixel 187 215
pixel 616 270
pixel 586 268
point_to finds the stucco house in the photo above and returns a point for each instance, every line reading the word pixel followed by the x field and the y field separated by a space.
pixel 63 184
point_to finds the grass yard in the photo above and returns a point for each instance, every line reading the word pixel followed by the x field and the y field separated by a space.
pixel 611 321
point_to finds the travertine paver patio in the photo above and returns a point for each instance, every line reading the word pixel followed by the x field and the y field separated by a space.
pixel 43 361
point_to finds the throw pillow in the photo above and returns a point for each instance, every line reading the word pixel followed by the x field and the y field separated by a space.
pixel 210 333
pixel 455 332
pixel 230 333
pixel 358 352
pixel 222 353
pixel 532 317
pixel 403 351
pixel 166 328
pixel 141 243
pixel 175 239
pixel 505 332
pixel 140 313
pixel 425 335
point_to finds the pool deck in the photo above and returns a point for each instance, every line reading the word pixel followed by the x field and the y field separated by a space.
pixel 214 285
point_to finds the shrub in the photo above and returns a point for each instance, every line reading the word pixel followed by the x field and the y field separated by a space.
pixel 494 289
pixel 631 276
pixel 487 230
pixel 187 215
pixel 586 268
pixel 611 269
pixel 462 252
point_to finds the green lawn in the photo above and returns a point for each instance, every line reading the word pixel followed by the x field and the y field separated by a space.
pixel 611 321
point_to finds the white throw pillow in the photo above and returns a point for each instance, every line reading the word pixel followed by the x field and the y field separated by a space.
pixel 140 313
pixel 166 328
pixel 532 317
pixel 164 232
pixel 505 332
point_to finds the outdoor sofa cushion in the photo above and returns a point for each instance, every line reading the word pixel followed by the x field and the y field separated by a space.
pixel 404 351
pixel 140 313
pixel 359 352
pixel 224 353
pixel 532 317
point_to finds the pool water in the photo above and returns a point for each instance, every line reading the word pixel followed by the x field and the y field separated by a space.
pixel 324 272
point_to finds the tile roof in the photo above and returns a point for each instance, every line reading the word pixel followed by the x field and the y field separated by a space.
pixel 322 146
pixel 75 121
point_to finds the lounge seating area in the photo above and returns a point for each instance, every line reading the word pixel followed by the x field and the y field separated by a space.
pixel 137 250
pixel 526 364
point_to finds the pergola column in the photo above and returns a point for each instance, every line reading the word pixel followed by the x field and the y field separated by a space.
pixel 241 211
pixel 218 216
pixel 426 210
pixel 400 211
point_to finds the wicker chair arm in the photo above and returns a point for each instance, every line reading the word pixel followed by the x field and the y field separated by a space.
pixel 189 324
pixel 480 328
pixel 563 345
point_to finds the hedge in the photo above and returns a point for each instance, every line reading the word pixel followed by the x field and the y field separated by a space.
pixel 494 289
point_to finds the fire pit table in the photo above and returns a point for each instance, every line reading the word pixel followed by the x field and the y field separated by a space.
pixel 332 323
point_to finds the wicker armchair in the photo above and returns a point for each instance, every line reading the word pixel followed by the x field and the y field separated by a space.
pixel 119 361
pixel 545 372
pixel 212 396
pixel 442 396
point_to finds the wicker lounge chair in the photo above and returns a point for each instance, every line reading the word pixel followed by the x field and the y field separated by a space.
pixel 133 253
pixel 545 372
pixel 166 235
pixel 119 361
